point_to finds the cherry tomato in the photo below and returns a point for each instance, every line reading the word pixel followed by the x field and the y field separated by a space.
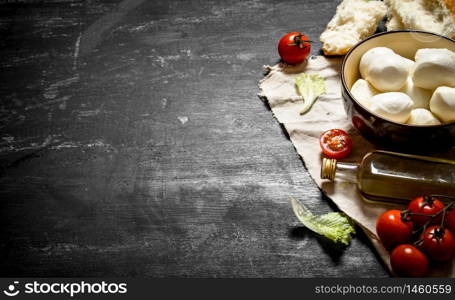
pixel 393 228
pixel 450 221
pixel 335 143
pixel 438 243
pixel 425 205
pixel 294 48
pixel 408 261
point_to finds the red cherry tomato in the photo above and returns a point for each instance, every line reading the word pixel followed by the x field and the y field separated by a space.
pixel 408 261
pixel 335 143
pixel 393 228
pixel 450 221
pixel 425 205
pixel 438 243
pixel 294 48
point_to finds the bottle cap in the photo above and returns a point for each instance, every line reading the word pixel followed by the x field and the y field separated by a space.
pixel 328 168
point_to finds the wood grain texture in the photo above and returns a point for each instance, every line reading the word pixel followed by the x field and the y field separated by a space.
pixel 133 143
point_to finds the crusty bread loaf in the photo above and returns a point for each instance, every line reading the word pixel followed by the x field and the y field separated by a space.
pixel 450 4
pixel 430 15
pixel 354 20
pixel 394 21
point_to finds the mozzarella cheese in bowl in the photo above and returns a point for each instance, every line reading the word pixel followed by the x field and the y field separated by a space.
pixel 363 92
pixel 384 69
pixel 422 116
pixel 398 89
pixel 394 106
pixel 442 103
pixel 434 68
pixel 401 90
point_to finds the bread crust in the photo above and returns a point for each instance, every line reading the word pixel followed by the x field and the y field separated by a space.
pixel 430 15
pixel 353 21
pixel 451 6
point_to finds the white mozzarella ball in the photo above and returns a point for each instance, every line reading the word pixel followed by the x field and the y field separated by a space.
pixel 370 56
pixel 363 92
pixel 420 97
pixel 394 106
pixel 384 69
pixel 422 116
pixel 408 63
pixel 433 68
pixel 442 103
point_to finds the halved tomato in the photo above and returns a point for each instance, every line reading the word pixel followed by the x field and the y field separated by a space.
pixel 335 143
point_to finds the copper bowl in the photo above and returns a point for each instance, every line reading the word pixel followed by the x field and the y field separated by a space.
pixel 376 129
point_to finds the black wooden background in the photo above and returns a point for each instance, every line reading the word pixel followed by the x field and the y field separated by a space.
pixel 132 143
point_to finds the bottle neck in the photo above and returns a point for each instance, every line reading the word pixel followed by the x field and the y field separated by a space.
pixel 346 171
pixel 331 168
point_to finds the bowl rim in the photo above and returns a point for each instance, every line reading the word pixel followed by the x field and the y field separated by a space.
pixel 345 86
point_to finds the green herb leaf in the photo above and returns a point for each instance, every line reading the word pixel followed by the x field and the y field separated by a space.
pixel 310 87
pixel 334 226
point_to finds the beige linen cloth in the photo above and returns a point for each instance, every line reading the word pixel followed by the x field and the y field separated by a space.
pixel 278 88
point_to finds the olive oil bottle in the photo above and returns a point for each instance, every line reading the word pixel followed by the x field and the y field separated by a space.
pixel 394 177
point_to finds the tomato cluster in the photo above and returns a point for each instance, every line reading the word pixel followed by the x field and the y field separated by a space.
pixel 423 232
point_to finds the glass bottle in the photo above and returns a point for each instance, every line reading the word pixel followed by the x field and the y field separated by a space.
pixel 395 177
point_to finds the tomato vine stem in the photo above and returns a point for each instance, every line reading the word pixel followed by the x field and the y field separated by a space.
pixel 406 213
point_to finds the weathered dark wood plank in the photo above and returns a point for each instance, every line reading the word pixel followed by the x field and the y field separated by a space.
pixel 133 143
